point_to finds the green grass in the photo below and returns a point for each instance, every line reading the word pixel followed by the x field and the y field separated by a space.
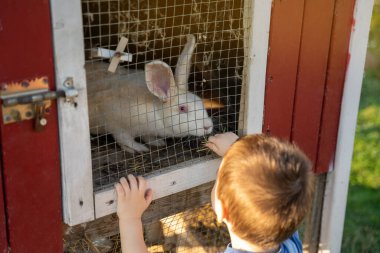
pixel 362 223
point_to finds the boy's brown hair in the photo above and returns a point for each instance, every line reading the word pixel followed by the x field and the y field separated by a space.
pixel 266 186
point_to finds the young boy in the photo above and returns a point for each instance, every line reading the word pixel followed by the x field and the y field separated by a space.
pixel 263 191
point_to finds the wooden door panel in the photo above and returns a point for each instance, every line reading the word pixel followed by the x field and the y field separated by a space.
pixel 31 170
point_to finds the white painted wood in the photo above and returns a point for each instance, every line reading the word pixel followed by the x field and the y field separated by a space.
pixel 256 62
pixel 77 189
pixel 334 207
pixel 163 184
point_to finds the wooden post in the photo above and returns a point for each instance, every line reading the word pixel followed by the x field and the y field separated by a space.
pixel 77 193
pixel 311 235
pixel 256 21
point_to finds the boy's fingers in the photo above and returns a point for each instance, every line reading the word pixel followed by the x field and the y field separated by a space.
pixel 132 182
pixel 148 196
pixel 141 183
pixel 232 136
pixel 211 146
pixel 124 183
pixel 119 190
pixel 212 138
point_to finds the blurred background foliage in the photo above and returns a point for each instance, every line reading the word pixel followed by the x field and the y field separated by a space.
pixel 374 34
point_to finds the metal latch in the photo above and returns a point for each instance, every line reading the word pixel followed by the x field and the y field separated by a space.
pixel 32 99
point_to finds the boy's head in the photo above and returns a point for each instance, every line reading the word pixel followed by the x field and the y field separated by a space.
pixel 264 189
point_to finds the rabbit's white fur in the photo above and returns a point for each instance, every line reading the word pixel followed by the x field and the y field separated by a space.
pixel 148 103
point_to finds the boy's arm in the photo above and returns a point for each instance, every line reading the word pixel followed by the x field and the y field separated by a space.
pixel 131 236
pixel 220 143
pixel 133 198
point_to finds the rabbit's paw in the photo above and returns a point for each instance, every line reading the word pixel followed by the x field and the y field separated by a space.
pixel 135 147
pixel 152 141
pixel 158 143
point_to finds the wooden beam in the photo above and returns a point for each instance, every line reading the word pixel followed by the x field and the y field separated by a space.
pixel 77 190
pixel 163 184
pixel 311 235
pixel 256 22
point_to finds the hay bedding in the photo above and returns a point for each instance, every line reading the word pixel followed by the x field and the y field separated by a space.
pixel 192 231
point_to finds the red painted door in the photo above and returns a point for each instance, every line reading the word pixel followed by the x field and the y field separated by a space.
pixel 30 159
pixel 305 74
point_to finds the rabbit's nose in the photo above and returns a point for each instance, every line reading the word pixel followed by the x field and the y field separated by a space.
pixel 207 127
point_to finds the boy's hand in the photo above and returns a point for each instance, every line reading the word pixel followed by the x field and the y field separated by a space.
pixel 220 143
pixel 133 197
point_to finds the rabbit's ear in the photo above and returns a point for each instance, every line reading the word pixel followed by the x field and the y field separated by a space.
pixel 159 79
pixel 182 70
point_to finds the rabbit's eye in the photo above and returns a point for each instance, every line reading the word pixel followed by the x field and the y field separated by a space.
pixel 182 108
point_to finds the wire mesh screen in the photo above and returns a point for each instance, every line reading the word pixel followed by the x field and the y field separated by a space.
pixel 195 230
pixel 151 115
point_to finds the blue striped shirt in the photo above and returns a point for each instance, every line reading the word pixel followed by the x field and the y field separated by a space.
pixel 291 245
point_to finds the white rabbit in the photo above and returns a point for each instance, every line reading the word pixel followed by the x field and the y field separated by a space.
pixel 150 103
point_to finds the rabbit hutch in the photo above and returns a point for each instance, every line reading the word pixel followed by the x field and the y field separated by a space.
pixel 93 90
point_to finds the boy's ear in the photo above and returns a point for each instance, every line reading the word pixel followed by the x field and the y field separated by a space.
pixel 221 211
pixel 225 213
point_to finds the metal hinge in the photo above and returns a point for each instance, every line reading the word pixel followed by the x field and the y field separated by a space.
pixel 31 99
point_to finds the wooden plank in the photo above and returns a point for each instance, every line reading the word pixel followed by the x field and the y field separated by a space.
pixel 78 204
pixel 163 184
pixel 30 160
pixel 315 45
pixel 284 45
pixel 334 207
pixel 310 240
pixel 256 37
pixel 338 59
pixel 116 58
pixel 3 224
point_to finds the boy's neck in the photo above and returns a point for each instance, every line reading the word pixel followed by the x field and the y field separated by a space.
pixel 240 244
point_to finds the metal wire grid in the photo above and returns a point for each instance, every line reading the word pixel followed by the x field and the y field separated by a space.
pixel 156 30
